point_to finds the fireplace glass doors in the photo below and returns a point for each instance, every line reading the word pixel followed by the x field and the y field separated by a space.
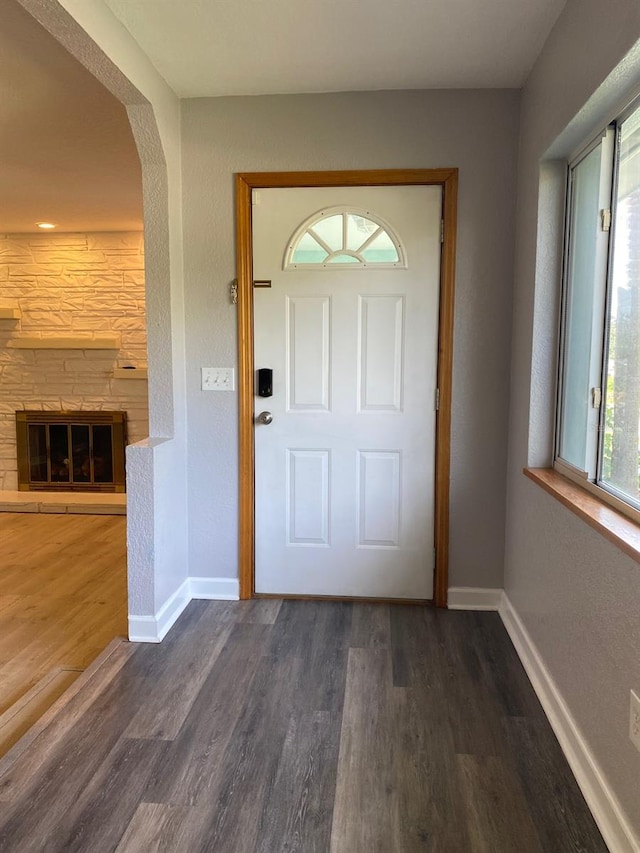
pixel 71 451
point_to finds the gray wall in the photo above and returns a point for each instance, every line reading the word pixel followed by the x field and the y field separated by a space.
pixel 577 594
pixel 473 130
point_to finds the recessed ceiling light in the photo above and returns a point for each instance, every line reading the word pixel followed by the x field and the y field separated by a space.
pixel 45 225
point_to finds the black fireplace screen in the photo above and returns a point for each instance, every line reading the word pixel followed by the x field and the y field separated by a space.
pixel 73 451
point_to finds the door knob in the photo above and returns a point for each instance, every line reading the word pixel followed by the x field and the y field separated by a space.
pixel 264 418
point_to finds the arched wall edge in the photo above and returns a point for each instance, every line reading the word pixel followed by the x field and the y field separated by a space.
pixel 156 470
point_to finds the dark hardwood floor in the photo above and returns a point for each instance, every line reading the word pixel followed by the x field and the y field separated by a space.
pixel 300 727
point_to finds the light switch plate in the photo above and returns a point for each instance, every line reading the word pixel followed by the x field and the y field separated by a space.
pixel 218 379
pixel 634 719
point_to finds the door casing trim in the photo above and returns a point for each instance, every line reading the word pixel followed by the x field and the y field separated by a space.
pixel 245 183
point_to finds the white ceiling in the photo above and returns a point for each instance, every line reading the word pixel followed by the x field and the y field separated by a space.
pixel 249 47
pixel 66 150
pixel 67 154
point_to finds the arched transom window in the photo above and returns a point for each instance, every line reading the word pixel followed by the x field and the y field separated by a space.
pixel 344 238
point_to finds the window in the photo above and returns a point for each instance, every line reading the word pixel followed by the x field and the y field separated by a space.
pixel 343 239
pixel 598 429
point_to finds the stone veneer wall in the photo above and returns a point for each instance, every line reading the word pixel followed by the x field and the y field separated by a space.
pixel 71 284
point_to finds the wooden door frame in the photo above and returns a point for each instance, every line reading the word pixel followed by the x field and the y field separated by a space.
pixel 245 183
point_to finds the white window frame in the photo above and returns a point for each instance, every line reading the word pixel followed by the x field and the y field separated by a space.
pixel 307 225
pixel 590 480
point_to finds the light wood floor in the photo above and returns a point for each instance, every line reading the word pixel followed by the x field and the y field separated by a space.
pixel 300 727
pixel 62 600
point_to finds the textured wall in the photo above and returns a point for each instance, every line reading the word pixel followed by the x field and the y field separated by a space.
pixel 473 130
pixel 577 594
pixel 66 284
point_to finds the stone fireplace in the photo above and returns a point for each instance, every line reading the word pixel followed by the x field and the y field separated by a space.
pixel 72 342
pixel 71 451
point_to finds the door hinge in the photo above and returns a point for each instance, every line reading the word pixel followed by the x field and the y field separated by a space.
pixel 233 291
pixel 596 398
pixel 255 196
pixel 434 558
pixel 442 230
pixel 437 399
pixel 605 219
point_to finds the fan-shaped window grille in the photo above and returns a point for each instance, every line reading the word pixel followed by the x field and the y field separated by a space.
pixel 340 238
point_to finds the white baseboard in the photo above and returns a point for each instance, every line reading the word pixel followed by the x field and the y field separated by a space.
pixel 473 598
pixel 607 812
pixel 143 629
pixel 224 589
pixel 153 629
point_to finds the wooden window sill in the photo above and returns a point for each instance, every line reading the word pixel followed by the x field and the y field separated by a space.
pixel 617 528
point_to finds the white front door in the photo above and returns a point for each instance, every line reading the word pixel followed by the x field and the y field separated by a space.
pixel 344 471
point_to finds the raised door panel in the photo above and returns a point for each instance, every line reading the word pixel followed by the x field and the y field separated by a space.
pixel 378 490
pixel 308 343
pixel 380 353
pixel 308 497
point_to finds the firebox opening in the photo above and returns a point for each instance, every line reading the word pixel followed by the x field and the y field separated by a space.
pixel 71 451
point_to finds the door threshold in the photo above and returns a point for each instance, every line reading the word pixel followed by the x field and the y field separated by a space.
pixel 359 599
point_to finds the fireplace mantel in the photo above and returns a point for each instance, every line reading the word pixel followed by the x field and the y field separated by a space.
pixel 66 342
pixel 10 312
